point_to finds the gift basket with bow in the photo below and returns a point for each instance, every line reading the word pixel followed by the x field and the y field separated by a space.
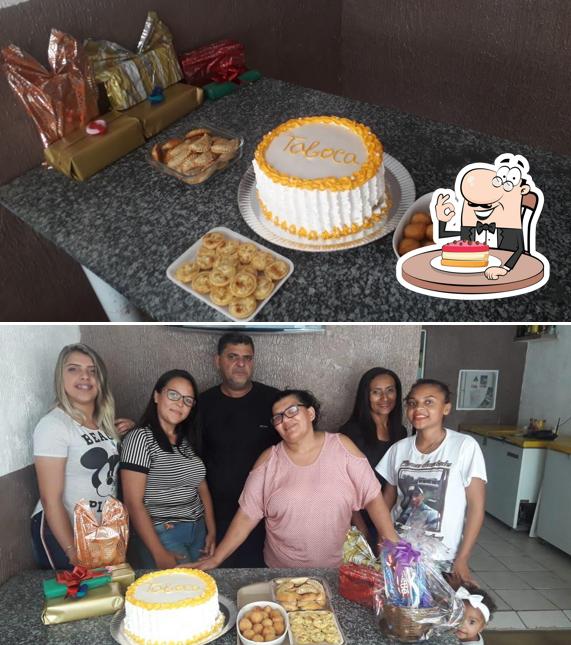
pixel 416 600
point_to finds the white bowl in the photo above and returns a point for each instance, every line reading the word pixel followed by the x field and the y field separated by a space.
pixel 262 603
pixel 421 205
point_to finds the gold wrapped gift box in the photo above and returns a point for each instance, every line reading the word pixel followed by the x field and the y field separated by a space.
pixel 98 602
pixel 122 574
pixel 180 99
pixel 130 77
pixel 81 155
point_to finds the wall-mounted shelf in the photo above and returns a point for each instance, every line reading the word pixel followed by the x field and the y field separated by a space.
pixel 527 333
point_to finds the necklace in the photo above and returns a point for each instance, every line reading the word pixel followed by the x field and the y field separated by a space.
pixel 431 446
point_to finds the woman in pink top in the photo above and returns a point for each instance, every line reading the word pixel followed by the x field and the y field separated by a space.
pixel 306 488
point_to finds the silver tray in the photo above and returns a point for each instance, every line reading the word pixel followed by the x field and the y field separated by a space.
pixel 399 185
pixel 227 609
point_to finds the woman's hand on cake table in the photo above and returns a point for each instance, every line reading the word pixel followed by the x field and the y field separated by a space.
pixel 123 426
pixel 204 564
pixel 167 559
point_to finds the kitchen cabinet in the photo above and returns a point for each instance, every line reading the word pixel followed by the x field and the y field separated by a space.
pixel 554 513
pixel 514 478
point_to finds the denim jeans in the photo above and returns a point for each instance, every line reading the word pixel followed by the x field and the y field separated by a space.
pixel 46 549
pixel 185 539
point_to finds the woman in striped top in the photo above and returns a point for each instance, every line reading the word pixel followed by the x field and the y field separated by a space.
pixel 164 485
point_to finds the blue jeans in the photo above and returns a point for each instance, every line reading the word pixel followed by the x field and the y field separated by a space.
pixel 185 539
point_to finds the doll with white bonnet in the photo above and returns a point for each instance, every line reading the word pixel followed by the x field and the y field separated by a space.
pixel 478 609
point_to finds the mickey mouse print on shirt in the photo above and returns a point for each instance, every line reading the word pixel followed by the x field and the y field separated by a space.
pixel 91 459
pixel 104 467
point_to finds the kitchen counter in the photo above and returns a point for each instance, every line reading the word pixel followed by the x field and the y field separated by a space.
pixel 129 222
pixel 510 434
pixel 562 444
pixel 21 605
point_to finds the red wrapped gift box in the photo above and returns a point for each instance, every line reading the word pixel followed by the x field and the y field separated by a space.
pixel 360 583
pixel 218 62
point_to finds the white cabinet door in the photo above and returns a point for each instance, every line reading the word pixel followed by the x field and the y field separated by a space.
pixel 503 466
pixel 554 521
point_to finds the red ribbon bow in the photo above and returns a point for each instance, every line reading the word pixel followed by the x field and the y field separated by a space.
pixel 73 579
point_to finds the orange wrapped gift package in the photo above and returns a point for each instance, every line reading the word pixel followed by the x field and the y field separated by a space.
pixel 99 544
pixel 60 100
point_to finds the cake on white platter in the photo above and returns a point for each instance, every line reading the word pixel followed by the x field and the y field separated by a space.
pixel 172 606
pixel 321 177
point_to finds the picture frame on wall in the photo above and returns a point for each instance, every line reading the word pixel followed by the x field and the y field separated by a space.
pixel 421 355
pixel 477 389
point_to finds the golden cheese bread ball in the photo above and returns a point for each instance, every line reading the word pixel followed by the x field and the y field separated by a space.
pixel 408 244
pixel 262 624
pixel 415 231
pixel 420 218
pixel 418 232
pixel 256 616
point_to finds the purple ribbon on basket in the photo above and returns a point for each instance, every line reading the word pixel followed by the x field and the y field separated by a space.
pixel 404 578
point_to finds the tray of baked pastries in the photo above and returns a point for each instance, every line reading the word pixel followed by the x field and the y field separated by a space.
pixel 230 273
pixel 198 154
pixel 311 619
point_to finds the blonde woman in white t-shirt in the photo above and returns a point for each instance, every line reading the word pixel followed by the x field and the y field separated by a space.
pixel 437 477
pixel 75 453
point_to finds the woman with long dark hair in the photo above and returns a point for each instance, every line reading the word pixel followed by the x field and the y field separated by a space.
pixel 163 478
pixel 375 425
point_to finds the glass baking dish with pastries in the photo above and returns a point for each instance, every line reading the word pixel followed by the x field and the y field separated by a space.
pixel 315 628
pixel 197 154
pixel 301 593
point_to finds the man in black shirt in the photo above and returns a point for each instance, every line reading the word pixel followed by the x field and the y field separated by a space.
pixel 234 421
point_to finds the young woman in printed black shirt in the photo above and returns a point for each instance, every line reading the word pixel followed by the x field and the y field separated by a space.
pixel 163 479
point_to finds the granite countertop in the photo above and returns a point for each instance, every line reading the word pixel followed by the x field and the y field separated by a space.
pixel 21 605
pixel 129 222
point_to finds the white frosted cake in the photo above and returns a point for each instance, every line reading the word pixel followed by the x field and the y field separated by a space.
pixel 321 177
pixel 172 606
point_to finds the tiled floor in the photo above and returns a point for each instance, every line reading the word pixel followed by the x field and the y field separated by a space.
pixel 529 580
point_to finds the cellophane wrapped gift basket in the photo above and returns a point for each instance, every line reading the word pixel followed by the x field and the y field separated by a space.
pixel 360 575
pixel 416 601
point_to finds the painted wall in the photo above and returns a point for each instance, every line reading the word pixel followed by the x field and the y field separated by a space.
pixel 490 347
pixel 329 363
pixel 28 356
pixel 546 386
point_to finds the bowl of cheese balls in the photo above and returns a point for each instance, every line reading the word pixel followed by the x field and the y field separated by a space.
pixel 262 622
pixel 415 228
